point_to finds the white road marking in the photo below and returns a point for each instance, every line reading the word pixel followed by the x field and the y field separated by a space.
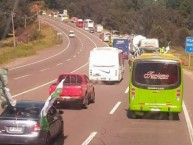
pixel 68 59
pixel 74 56
pixel 47 57
pixel 48 83
pixel 188 121
pixel 59 64
pixel 21 77
pixel 115 107
pixel 127 90
pixel 44 69
pixel 89 139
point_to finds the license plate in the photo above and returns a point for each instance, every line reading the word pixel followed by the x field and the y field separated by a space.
pixel 155 109
pixel 16 129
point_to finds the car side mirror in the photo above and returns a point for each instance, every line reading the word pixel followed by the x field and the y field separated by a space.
pixel 61 112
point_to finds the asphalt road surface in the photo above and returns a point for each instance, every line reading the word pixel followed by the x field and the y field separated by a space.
pixel 104 122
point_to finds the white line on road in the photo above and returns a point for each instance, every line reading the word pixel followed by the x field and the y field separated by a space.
pixel 59 64
pixel 21 77
pixel 127 90
pixel 89 139
pixel 48 83
pixel 68 59
pixel 115 107
pixel 188 121
pixel 44 69
pixel 74 56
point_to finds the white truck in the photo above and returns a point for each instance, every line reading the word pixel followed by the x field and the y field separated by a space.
pixel 106 64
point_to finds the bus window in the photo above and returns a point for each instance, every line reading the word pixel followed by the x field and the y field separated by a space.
pixel 156 74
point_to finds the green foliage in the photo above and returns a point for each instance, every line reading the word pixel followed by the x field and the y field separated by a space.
pixel 181 35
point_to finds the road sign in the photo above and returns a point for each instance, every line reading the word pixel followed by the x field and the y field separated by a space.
pixel 189 45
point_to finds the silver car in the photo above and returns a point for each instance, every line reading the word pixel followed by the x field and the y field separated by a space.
pixel 21 124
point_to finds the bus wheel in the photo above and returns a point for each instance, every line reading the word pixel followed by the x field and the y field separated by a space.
pixel 131 114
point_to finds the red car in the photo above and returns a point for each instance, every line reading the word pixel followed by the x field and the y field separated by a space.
pixel 76 88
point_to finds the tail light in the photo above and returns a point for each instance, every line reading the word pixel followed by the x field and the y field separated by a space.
pixel 36 128
pixel 178 94
pixel 133 93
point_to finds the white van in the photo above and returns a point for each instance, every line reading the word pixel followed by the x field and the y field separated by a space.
pixel 106 64
pixel 99 28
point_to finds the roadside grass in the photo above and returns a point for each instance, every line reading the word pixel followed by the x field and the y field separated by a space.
pixel 46 38
pixel 187 58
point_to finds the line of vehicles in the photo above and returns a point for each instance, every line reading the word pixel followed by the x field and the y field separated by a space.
pixel 155 85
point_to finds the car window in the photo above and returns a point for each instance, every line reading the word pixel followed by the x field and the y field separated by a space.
pixel 21 112
pixel 79 79
pixel 73 79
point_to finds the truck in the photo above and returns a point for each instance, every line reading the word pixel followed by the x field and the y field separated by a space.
pixel 106 65
pixel 77 88
pixel 122 44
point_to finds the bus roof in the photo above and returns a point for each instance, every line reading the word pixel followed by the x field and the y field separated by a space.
pixel 157 56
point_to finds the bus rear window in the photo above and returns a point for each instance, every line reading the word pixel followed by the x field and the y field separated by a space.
pixel 156 74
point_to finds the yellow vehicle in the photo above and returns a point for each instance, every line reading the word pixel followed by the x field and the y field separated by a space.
pixel 156 85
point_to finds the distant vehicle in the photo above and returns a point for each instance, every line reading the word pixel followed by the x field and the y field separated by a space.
pixel 77 88
pixel 115 32
pixel 156 84
pixel 71 34
pixel 106 64
pixel 149 45
pixel 88 23
pixel 91 30
pixel 80 23
pixel 122 44
pixel 105 36
pixel 21 124
pixel 74 19
pixel 99 28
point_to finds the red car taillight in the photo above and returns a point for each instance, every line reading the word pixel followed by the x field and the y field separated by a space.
pixel 36 128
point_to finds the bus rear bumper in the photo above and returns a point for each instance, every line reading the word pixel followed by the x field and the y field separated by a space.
pixel 137 108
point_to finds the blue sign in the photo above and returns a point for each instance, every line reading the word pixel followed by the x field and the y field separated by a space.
pixel 189 44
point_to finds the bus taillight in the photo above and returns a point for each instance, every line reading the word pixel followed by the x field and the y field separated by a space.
pixel 133 93
pixel 178 94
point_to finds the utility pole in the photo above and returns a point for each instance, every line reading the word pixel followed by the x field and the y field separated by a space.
pixel 25 21
pixel 12 15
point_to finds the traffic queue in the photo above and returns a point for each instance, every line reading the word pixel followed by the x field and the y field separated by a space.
pixel 156 85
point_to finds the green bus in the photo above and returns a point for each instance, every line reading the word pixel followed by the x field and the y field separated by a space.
pixel 156 84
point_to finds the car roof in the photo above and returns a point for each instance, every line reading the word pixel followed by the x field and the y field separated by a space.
pixel 79 74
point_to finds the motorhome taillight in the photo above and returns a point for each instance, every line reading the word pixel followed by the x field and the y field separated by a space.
pixel 178 94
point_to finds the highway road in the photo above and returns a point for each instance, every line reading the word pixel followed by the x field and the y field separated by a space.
pixel 104 122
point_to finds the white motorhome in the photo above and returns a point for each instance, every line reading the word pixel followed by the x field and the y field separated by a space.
pixel 149 45
pixel 106 64
pixel 99 28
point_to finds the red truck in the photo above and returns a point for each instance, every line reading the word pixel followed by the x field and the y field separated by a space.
pixel 76 88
